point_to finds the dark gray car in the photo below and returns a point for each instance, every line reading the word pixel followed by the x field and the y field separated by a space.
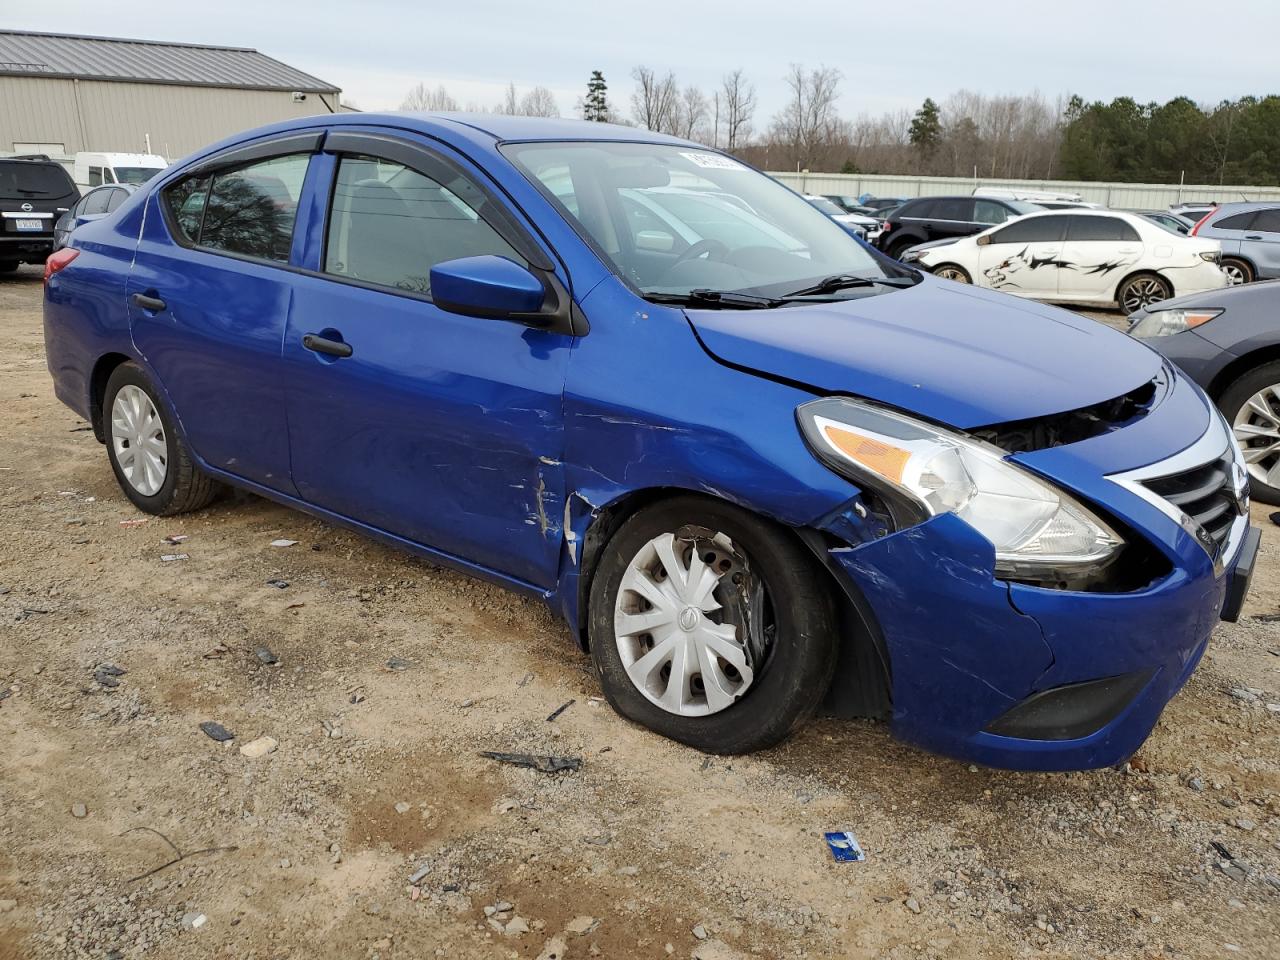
pixel 1250 238
pixel 1228 341
pixel 95 204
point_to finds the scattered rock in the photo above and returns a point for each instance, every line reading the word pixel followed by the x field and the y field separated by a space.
pixel 420 874
pixel 216 731
pixel 1196 784
pixel 403 807
pixel 699 932
pixel 283 543
pixel 912 904
pixel 554 949
pixel 1248 826
pixel 516 926
pixel 716 950
pixel 170 557
pixel 582 925
pixel 396 664
pixel 265 655
pixel 1245 694
pixel 193 920
pixel 278 583
pixel 259 748
pixel 79 811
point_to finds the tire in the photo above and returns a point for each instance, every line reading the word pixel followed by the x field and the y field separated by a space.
pixel 952 271
pixel 898 247
pixel 1238 271
pixel 177 485
pixel 791 662
pixel 1142 290
pixel 1252 429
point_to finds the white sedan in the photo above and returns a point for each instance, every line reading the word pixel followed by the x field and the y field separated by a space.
pixel 1079 256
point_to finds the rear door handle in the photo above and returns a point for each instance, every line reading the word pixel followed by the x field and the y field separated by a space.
pixel 154 304
pixel 1253 236
pixel 334 348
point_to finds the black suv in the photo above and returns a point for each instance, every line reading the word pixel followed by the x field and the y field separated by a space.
pixel 941 218
pixel 34 193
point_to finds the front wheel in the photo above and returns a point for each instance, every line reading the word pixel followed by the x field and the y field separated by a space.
pixel 711 626
pixel 1142 291
pixel 1252 406
pixel 1237 271
pixel 151 462
pixel 952 271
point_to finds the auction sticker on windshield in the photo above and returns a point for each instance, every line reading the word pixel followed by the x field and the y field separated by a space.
pixel 713 161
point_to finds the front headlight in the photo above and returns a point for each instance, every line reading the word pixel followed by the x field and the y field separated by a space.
pixel 1164 323
pixel 1039 532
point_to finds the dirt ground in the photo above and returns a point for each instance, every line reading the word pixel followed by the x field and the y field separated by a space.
pixel 649 850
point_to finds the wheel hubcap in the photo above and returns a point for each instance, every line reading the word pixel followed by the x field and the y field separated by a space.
pixel 676 635
pixel 1257 430
pixel 1234 274
pixel 952 274
pixel 138 440
pixel 1144 291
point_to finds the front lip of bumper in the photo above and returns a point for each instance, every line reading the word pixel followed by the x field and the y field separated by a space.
pixel 964 647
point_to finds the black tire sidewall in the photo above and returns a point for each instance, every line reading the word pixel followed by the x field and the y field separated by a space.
pixel 159 502
pixel 798 672
pixel 1124 287
pixel 956 267
pixel 1230 402
pixel 1243 265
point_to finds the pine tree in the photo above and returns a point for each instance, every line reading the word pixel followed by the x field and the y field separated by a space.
pixel 926 128
pixel 596 105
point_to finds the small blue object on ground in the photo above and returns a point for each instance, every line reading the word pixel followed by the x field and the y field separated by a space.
pixel 844 846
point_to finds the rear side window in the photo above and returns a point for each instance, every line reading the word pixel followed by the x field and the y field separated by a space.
pixel 1100 228
pixel 251 210
pixel 1267 221
pixel 389 224
pixel 96 202
pixel 1237 221
pixel 1032 230
pixel 957 209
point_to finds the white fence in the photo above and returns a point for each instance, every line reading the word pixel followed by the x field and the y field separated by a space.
pixel 1121 196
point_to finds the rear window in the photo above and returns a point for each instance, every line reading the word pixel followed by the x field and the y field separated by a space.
pixel 23 178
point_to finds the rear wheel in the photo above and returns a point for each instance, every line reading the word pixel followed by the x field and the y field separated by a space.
pixel 1252 405
pixel 898 247
pixel 1238 271
pixel 151 462
pixel 711 626
pixel 952 271
pixel 1142 291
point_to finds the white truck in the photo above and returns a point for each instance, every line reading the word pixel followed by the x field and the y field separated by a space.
pixel 91 169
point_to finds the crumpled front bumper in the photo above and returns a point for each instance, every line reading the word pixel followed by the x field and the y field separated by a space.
pixel 964 648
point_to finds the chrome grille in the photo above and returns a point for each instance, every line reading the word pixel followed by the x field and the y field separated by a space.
pixel 1206 494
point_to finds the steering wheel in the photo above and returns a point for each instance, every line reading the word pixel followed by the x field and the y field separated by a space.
pixel 714 249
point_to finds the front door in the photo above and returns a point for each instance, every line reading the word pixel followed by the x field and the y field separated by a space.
pixel 1262 243
pixel 444 430
pixel 1025 257
pixel 208 298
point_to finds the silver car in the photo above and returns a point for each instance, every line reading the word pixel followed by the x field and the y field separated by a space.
pixel 1250 238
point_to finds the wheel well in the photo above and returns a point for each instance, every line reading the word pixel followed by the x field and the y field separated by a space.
pixel 1253 269
pixel 863 664
pixel 102 371
pixel 1142 273
pixel 1238 367
pixel 949 263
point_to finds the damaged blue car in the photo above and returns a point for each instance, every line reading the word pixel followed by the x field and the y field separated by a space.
pixel 760 469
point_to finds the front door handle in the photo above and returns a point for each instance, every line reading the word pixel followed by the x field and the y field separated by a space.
pixel 1253 236
pixel 154 304
pixel 334 348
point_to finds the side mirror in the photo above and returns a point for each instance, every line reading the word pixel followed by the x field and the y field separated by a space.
pixel 655 241
pixel 984 240
pixel 487 286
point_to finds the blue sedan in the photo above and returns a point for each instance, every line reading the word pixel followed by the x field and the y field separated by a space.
pixel 759 468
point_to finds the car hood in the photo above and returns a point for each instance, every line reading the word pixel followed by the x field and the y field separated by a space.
pixel 953 354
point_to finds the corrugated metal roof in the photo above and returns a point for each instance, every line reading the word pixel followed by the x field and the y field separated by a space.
pixel 24 53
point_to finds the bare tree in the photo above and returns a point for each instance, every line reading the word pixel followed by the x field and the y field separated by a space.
pixel 510 101
pixel 655 102
pixel 809 120
pixel 539 102
pixel 422 97
pixel 739 105
pixel 694 113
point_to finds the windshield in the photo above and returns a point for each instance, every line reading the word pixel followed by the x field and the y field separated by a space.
pixel 674 219
pixel 23 178
pixel 826 206
pixel 1023 206
pixel 135 174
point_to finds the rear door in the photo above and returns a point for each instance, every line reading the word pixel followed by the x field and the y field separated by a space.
pixel 442 429
pixel 1024 257
pixel 209 298
pixel 1262 243
pixel 952 217
pixel 1099 251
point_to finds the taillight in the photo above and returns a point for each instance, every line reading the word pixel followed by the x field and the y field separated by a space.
pixel 1200 223
pixel 59 260
pixel 888 225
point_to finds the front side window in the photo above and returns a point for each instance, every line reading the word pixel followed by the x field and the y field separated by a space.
pixel 731 228
pixel 389 224
pixel 251 209
pixel 1100 229
pixel 95 176
pixel 1032 230
pixel 987 211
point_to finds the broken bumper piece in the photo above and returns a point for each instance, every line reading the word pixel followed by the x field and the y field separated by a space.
pixel 1016 676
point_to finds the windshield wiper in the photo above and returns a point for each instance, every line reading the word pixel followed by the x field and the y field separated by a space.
pixel 715 298
pixel 844 281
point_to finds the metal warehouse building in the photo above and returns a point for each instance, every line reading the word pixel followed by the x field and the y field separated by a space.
pixel 60 94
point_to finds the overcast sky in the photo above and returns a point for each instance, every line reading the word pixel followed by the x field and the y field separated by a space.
pixel 892 54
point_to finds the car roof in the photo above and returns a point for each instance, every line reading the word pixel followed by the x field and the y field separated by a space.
pixel 503 126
